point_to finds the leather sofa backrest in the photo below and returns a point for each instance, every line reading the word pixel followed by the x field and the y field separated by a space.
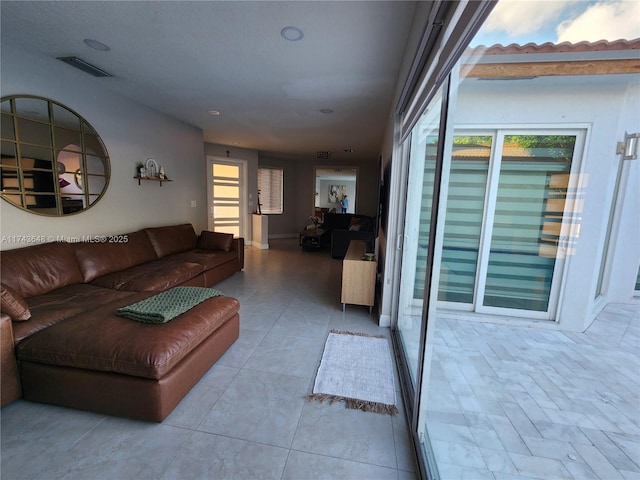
pixel 172 239
pixel 139 249
pixel 337 221
pixel 39 269
pixel 116 253
pixel 342 221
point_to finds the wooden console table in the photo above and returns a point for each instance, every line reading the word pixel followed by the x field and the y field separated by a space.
pixel 358 277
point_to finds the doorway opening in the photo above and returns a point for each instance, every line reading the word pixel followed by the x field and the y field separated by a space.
pixel 226 189
pixel 334 185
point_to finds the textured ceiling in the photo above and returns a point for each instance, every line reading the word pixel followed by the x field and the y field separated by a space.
pixel 185 58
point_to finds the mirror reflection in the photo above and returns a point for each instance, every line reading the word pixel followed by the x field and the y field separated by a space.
pixel 53 162
pixel 333 185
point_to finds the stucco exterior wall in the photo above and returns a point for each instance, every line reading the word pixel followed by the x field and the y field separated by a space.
pixel 603 106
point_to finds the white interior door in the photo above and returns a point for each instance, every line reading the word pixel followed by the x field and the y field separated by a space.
pixel 226 192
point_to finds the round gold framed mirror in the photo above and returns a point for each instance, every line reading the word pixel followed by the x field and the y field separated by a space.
pixel 53 161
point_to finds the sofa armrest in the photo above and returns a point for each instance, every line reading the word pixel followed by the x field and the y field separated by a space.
pixel 10 388
pixel 238 246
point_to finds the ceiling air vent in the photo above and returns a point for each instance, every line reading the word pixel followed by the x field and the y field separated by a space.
pixel 324 155
pixel 85 66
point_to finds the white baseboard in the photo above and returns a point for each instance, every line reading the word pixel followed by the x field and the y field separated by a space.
pixel 261 246
pixel 384 321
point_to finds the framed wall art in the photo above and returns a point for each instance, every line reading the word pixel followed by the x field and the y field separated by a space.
pixel 336 192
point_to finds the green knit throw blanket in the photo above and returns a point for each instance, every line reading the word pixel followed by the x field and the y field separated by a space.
pixel 167 305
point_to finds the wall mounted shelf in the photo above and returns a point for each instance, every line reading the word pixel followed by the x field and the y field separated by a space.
pixel 153 179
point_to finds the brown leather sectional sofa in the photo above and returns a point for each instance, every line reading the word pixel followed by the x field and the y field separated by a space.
pixel 62 342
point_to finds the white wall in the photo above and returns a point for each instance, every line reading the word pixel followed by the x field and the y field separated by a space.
pixel 388 255
pixel 609 111
pixel 597 102
pixel 299 187
pixel 624 253
pixel 131 133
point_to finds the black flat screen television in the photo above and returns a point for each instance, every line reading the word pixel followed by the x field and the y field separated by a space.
pixel 383 197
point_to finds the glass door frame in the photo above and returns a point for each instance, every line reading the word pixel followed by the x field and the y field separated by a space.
pixel 498 133
pixel 414 396
pixel 471 131
pixel 568 227
pixel 244 215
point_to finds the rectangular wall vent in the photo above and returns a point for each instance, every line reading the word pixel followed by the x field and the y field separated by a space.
pixel 85 66
pixel 324 155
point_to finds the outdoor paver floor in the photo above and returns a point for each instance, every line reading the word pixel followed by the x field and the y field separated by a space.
pixel 513 402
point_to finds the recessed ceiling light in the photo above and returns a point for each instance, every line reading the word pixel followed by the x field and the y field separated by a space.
pixel 326 110
pixel 96 45
pixel 215 113
pixel 293 34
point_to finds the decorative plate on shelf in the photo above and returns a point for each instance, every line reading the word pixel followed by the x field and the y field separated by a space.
pixel 151 167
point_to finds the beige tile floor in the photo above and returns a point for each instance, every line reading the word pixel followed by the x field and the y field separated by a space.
pixel 247 418
pixel 506 402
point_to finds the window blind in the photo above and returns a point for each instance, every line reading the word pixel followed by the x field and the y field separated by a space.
pixel 270 190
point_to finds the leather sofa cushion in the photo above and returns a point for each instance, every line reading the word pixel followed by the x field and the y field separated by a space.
pixel 151 277
pixel 207 258
pixel 53 307
pixel 102 341
pixel 343 221
pixel 39 269
pixel 336 221
pixel 172 239
pixel 215 241
pixel 12 303
pixel 98 259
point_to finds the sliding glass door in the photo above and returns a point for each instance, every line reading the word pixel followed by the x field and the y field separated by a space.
pixel 463 226
pixel 529 232
pixel 422 149
pixel 509 206
pixel 511 219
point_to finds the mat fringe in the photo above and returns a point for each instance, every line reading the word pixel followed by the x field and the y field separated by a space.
pixel 357 334
pixel 354 403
